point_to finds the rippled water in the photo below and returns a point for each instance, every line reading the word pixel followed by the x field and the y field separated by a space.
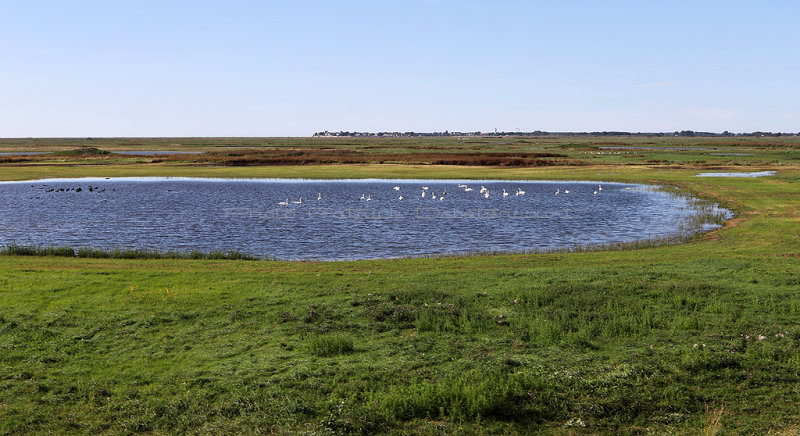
pixel 245 215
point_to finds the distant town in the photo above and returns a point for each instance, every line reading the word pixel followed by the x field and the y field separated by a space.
pixel 687 133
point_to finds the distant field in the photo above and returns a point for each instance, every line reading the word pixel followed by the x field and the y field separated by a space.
pixel 488 151
pixel 696 338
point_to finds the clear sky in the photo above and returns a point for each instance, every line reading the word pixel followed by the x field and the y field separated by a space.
pixel 291 68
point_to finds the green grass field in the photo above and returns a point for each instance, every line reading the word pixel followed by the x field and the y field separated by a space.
pixel 697 338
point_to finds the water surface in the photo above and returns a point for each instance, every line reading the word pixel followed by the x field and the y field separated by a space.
pixel 739 174
pixel 249 215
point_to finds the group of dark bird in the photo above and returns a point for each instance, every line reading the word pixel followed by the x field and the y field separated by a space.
pixel 90 188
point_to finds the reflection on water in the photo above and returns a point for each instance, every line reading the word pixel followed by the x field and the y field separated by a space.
pixel 331 220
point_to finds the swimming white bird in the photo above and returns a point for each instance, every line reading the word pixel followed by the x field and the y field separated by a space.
pixel 425 188
pixel 441 197
pixel 558 191
pixel 628 188
pixel 505 194
pixel 595 192
pixel 363 197
pixel 396 188
pixel 284 203
pixel 400 197
pixel 423 194
pixel 483 189
pixel 599 187
pixel 433 194
pixel 520 191
pixel 566 191
pixel 486 193
pixel 369 197
pixel 468 189
pixel 319 196
pixel 460 185
pixel 300 201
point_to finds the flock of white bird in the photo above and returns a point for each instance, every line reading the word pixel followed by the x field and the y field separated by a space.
pixel 428 193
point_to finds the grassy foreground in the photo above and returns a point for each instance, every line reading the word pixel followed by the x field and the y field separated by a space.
pixel 697 338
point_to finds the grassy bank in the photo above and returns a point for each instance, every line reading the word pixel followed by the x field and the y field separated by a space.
pixel 683 339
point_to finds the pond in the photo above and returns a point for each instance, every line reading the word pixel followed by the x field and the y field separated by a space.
pixel 339 219
pixel 739 174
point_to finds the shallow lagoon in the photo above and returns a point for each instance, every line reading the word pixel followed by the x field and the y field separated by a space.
pixel 246 215
pixel 739 174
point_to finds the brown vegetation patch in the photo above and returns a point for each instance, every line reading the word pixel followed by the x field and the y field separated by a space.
pixel 13 159
pixel 329 156
pixel 714 234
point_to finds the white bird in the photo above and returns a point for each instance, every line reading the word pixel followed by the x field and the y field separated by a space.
pixel 599 187
pixel 425 188
pixel 483 189
pixel 486 194
pixel 300 201
pixel 468 189
pixel 363 197
pixel 319 196
pixel 433 194
pixel 423 194
pixel 558 191
pixel 628 188
pixel 566 191
pixel 520 191
pixel 396 188
pixel 462 185
pixel 505 194
pixel 400 197
pixel 595 192
pixel 284 203
pixel 369 197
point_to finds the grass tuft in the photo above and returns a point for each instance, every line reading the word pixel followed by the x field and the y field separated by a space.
pixel 118 253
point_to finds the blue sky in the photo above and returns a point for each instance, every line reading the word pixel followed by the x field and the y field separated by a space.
pixel 290 68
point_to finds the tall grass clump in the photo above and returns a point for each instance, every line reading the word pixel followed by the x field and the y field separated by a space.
pixel 119 253
pixel 27 250
pixel 333 344
pixel 495 394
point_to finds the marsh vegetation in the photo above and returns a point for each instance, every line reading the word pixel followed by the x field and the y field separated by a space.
pixel 699 337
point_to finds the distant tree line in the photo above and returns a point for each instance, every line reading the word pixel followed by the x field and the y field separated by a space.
pixel 686 133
